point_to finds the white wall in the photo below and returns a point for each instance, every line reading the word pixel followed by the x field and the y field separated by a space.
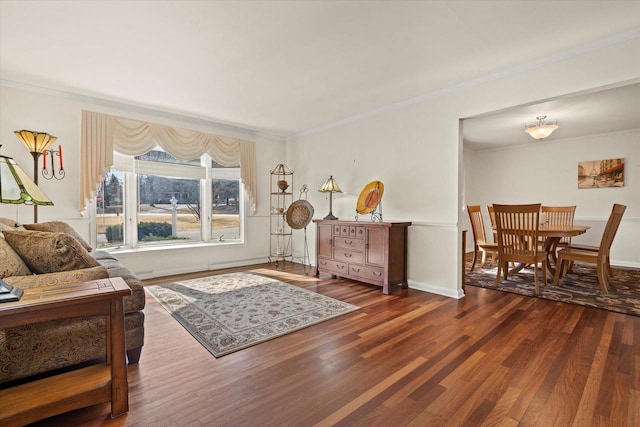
pixel 415 150
pixel 546 172
pixel 60 115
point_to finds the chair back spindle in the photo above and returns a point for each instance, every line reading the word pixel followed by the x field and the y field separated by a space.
pixel 560 215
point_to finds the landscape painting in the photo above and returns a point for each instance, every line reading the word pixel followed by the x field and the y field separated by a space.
pixel 601 173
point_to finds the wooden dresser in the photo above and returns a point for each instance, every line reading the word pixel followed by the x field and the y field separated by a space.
pixel 371 252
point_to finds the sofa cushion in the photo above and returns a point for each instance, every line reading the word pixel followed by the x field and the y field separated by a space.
pixel 45 252
pixel 12 264
pixel 59 227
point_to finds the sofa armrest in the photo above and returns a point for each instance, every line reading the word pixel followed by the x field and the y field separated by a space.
pixel 58 278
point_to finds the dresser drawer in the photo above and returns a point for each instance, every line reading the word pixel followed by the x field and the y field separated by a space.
pixel 331 266
pixel 367 274
pixel 347 255
pixel 348 243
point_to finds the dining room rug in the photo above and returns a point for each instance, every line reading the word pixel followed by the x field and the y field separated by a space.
pixel 230 312
pixel 580 287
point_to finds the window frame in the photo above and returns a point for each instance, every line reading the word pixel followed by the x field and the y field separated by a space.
pixel 127 165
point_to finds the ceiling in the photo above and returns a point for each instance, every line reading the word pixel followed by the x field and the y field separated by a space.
pixel 592 113
pixel 286 67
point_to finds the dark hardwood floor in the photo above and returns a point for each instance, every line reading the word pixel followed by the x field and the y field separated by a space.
pixel 410 358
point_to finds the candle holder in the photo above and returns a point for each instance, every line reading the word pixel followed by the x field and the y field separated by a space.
pixel 51 172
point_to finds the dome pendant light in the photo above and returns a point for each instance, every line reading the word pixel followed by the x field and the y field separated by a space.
pixel 542 129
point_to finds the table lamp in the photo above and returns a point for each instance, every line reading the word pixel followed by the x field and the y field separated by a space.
pixel 330 186
pixel 17 188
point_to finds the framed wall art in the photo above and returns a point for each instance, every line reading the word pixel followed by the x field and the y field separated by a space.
pixel 601 173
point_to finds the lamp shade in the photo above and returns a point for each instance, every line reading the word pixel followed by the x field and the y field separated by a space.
pixel 16 187
pixel 542 129
pixel 36 142
pixel 330 186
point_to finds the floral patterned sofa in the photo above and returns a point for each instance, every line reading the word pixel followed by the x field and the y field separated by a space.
pixel 52 253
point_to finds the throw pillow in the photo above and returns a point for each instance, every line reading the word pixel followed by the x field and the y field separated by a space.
pixel 59 227
pixel 11 224
pixel 45 252
pixel 12 264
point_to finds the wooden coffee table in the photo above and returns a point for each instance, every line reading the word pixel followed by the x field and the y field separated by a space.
pixel 99 383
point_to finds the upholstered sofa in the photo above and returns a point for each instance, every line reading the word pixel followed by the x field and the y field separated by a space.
pixel 53 254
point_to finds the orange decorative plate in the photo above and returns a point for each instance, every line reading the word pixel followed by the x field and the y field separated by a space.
pixel 369 198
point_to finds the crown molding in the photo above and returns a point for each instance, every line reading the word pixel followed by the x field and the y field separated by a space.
pixel 560 56
pixel 137 109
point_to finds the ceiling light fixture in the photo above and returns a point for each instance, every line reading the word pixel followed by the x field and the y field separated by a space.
pixel 542 129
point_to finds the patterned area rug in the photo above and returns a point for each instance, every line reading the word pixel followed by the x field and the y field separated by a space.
pixel 229 312
pixel 580 287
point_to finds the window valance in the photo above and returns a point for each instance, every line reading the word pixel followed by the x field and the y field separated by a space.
pixel 102 134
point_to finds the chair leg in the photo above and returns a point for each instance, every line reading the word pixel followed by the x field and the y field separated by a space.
pixel 484 258
pixel 602 277
pixel 475 257
pixel 493 258
pixel 498 274
pixel 535 273
pixel 544 273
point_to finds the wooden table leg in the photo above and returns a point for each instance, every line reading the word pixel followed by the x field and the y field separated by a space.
pixel 119 385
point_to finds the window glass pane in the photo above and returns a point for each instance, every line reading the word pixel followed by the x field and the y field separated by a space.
pixel 158 155
pixel 225 192
pixel 168 209
pixel 225 218
pixel 110 210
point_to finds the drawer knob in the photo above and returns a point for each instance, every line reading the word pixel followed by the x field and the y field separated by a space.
pixel 348 255
pixel 340 266
pixel 348 242
pixel 357 270
pixel 377 274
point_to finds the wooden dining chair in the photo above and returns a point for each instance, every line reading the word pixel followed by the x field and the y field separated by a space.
pixel 492 218
pixel 559 215
pixel 601 257
pixel 517 227
pixel 480 244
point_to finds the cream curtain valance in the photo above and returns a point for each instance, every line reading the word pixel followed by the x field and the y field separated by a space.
pixel 102 134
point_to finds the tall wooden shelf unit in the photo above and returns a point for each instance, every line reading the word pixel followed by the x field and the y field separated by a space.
pixel 280 245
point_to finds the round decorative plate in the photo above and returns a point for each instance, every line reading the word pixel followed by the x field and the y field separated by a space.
pixel 299 214
pixel 369 198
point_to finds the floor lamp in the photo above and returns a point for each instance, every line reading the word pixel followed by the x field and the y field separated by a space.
pixel 37 144
pixel 17 188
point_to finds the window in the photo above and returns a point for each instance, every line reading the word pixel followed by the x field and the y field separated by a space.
pixel 226 206
pixel 164 196
pixel 110 209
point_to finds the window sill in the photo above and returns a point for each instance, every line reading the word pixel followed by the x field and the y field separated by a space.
pixel 155 248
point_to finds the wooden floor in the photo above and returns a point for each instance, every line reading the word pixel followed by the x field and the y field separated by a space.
pixel 411 358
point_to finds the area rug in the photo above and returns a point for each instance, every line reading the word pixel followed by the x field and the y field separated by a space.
pixel 229 312
pixel 580 287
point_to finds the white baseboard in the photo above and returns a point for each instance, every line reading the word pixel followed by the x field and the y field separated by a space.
pixel 436 290
pixel 151 274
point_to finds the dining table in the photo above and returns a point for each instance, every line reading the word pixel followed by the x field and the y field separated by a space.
pixel 553 234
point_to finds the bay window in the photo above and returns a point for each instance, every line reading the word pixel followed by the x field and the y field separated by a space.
pixel 165 199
